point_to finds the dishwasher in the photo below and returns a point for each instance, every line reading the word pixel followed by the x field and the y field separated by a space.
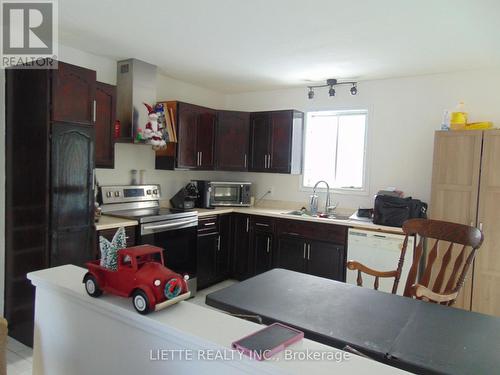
pixel 381 252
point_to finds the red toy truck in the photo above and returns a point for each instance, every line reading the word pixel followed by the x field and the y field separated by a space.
pixel 140 275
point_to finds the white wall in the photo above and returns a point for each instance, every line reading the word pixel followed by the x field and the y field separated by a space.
pixel 403 114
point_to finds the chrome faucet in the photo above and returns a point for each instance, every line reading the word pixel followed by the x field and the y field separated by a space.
pixel 313 203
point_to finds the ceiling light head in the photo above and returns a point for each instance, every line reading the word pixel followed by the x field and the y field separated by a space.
pixel 354 90
pixel 331 92
pixel 310 94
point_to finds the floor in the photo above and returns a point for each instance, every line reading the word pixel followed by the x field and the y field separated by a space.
pixel 20 356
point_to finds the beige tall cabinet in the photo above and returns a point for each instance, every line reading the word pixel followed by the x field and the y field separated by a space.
pixel 466 189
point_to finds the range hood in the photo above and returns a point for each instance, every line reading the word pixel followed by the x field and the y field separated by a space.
pixel 136 84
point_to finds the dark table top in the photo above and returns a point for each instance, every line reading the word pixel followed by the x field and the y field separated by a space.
pixel 410 334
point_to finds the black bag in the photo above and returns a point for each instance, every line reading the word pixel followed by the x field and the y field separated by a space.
pixel 394 211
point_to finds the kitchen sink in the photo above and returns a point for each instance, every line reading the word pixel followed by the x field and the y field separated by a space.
pixel 304 213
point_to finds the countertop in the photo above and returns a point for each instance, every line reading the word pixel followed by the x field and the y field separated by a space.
pixel 278 213
pixel 111 222
pixel 184 325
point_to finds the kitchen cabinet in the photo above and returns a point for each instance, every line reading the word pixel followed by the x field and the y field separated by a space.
pixel 465 186
pixel 196 133
pixel 223 268
pixel 292 251
pixel 49 175
pixel 276 142
pixel 261 239
pixel 214 235
pixel 326 259
pixel 72 192
pixel 231 141
pixel 109 234
pixel 312 248
pixel 73 94
pixel 105 96
pixel 243 258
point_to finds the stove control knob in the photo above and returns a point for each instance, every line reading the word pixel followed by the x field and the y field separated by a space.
pixel 155 191
pixel 109 194
pixel 117 193
pixel 148 192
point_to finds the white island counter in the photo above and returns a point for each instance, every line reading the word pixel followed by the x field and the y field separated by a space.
pixel 77 334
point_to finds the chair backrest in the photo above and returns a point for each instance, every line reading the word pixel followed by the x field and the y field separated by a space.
pixel 453 250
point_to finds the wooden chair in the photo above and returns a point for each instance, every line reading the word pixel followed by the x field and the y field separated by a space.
pixel 461 243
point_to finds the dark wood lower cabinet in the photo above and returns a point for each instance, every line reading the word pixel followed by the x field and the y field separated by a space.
pixel 262 247
pixel 326 259
pixel 243 258
pixel 207 258
pixel 291 253
pixel 213 250
pixel 312 248
pixel 241 246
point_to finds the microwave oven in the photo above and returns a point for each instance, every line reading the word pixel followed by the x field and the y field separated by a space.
pixel 216 194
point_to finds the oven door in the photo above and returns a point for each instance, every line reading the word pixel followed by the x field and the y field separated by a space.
pixel 179 249
pixel 225 194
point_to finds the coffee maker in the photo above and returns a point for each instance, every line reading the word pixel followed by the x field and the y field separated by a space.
pixel 185 198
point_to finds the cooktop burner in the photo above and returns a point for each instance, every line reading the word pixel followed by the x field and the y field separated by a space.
pixel 148 215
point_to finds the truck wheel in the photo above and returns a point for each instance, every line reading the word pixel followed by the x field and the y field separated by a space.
pixel 141 302
pixel 91 285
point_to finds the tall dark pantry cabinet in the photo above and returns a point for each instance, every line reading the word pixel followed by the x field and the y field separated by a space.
pixel 50 116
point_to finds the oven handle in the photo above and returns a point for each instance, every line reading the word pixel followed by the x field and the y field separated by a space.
pixel 172 225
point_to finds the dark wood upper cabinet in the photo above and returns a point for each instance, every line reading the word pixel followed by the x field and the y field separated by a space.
pixel 105 96
pixel 205 136
pixel 231 141
pixel 73 94
pixel 196 133
pixel 276 141
pixel 259 141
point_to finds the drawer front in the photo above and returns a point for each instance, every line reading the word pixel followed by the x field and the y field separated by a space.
pixel 262 223
pixel 208 224
pixel 315 231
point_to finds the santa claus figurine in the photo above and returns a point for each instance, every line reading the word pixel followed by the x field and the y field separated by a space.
pixel 152 131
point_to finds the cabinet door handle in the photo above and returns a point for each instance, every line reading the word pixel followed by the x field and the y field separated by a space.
pixel 268 241
pixel 218 243
pixel 201 158
pixel 262 224
pixel 94 110
pixel 265 161
pixel 481 227
pixel 305 249
pixel 248 223
pixel 245 160
pixel 268 161
pixel 208 224
pixel 309 252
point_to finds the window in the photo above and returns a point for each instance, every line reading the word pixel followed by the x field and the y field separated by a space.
pixel 335 149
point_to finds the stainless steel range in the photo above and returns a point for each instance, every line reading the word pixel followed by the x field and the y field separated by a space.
pixel 174 231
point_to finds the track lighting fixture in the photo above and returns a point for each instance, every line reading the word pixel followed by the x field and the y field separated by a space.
pixel 310 94
pixel 331 91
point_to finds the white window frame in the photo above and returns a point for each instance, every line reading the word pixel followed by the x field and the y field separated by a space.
pixel 364 191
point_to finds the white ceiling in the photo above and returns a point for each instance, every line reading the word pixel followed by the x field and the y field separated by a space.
pixel 248 45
